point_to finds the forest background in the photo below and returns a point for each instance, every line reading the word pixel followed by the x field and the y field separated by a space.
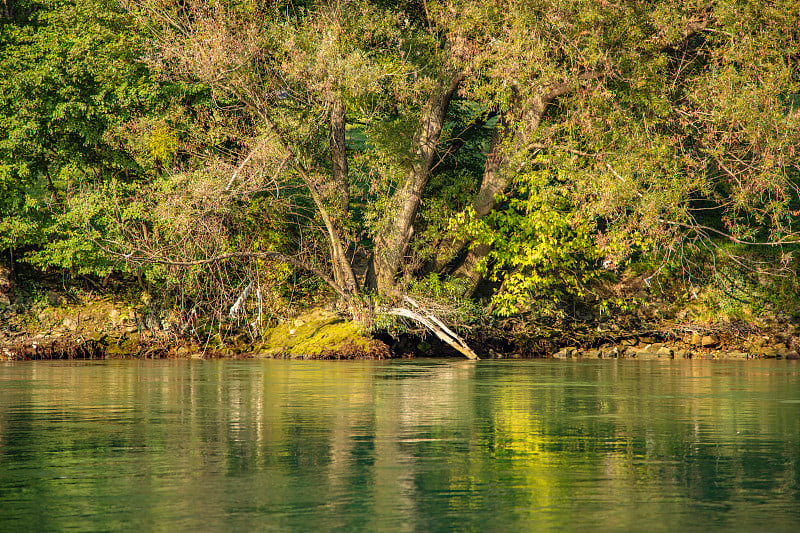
pixel 449 165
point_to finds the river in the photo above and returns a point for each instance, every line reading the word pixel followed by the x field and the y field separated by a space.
pixel 419 445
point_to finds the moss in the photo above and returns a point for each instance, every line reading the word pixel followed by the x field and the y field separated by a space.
pixel 317 334
pixel 121 346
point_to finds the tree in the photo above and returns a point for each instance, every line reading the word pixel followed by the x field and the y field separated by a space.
pixel 72 94
pixel 652 125
pixel 608 127
pixel 297 69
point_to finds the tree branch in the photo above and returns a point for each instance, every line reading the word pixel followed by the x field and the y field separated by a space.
pixel 146 257
pixel 732 238
pixel 436 326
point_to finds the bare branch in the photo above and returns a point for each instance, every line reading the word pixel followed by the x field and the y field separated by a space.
pixel 436 326
pixel 146 257
pixel 781 242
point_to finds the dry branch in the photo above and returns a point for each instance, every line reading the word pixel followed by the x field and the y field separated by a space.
pixel 436 326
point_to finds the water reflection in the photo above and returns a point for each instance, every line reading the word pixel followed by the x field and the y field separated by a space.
pixel 220 445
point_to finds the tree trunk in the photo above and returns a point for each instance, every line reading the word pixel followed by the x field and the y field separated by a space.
pixel 339 200
pixel 343 271
pixel 391 245
pixel 491 184
pixel 432 324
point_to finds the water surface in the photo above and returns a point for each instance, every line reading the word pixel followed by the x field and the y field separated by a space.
pixel 400 445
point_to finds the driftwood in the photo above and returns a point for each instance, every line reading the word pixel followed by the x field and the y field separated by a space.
pixel 433 324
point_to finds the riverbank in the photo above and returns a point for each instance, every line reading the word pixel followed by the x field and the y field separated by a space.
pixel 101 327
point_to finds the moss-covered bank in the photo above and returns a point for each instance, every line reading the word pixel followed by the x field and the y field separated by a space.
pixel 101 327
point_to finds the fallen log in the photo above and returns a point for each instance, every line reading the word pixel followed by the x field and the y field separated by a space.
pixel 434 325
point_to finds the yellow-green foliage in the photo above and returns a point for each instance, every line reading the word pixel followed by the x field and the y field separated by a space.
pixel 313 335
pixel 163 144
pixel 541 251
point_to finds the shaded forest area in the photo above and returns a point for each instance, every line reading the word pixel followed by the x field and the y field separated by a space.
pixel 452 167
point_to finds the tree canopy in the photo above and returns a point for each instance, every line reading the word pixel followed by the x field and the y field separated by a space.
pixel 539 145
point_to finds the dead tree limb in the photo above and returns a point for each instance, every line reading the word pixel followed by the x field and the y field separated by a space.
pixel 434 325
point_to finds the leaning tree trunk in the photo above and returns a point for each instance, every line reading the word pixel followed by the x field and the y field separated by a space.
pixel 391 245
pixel 339 169
pixel 421 316
pixel 342 269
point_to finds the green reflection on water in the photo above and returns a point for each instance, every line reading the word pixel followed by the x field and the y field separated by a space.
pixel 415 445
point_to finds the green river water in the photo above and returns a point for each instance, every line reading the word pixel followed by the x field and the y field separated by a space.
pixel 421 445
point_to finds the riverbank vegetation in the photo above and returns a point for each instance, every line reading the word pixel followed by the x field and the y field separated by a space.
pixel 467 169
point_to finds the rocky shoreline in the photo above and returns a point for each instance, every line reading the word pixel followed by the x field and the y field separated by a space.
pixel 692 346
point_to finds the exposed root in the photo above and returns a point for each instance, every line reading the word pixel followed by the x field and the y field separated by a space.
pixel 375 350
pixel 58 349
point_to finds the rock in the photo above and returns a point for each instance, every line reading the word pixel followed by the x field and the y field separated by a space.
pixel 781 349
pixel 70 323
pixel 709 340
pixel 565 353
pixel 769 352
pixel 736 355
pixel 54 299
pixel 665 353
pixel 653 351
pixel 696 338
pixel 793 355
pixel 682 354
pixel 593 353
pixel 611 353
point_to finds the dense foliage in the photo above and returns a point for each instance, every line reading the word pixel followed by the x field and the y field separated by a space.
pixel 543 146
pixel 78 112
